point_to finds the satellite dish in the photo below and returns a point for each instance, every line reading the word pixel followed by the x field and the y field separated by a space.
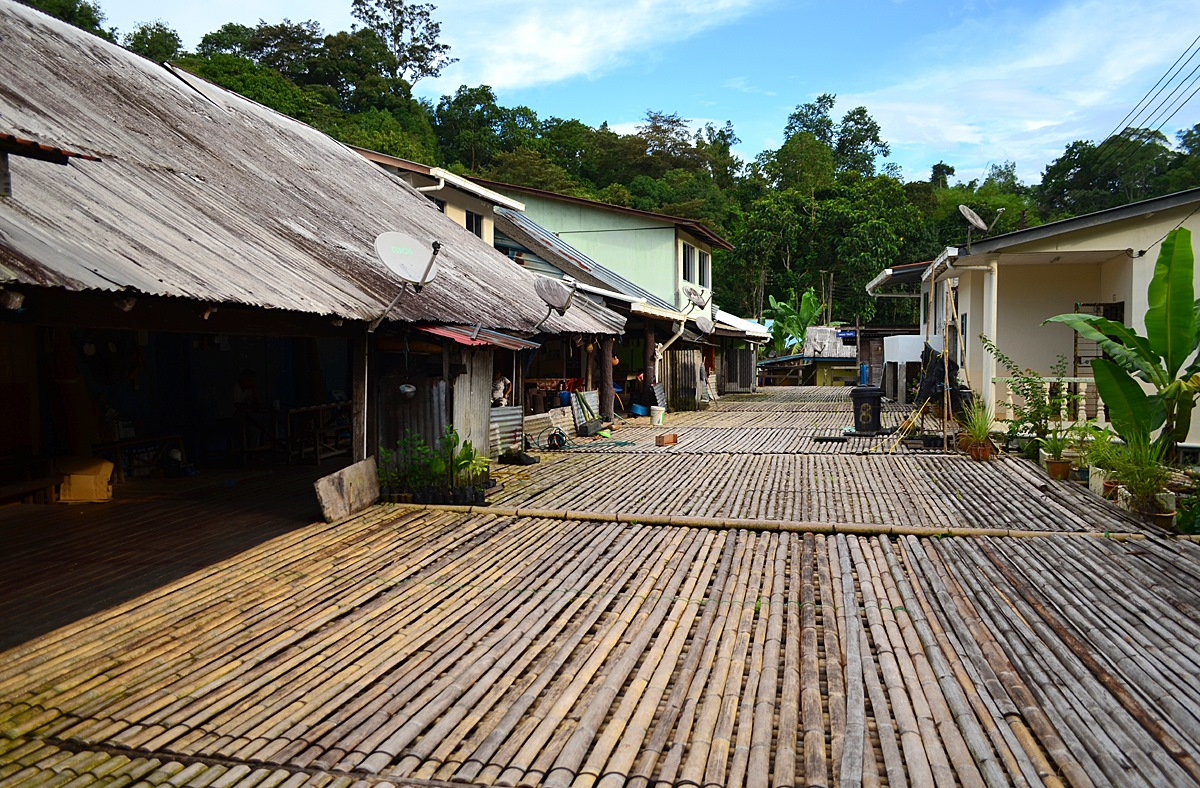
pixel 406 257
pixel 557 296
pixel 695 297
pixel 554 293
pixel 973 221
pixel 973 218
pixel 705 325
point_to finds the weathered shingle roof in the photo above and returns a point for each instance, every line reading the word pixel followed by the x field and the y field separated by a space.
pixel 203 194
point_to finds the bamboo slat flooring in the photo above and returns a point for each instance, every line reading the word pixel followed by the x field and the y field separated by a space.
pixel 408 646
pixel 63 561
pixel 924 490
pixel 405 646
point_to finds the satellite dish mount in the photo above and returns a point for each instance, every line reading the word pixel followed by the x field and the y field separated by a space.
pixel 401 254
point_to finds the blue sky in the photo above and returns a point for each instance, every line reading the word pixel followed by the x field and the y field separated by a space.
pixel 968 82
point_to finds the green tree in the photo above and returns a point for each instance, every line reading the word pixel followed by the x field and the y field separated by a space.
pixel 859 143
pixel 1127 167
pixel 803 163
pixel 410 32
pixel 80 13
pixel 815 119
pixel 230 39
pixel 154 41
pixel 356 65
pixel 715 146
pixel 467 127
pixel 287 47
pixel 565 143
pixel 939 177
pixel 528 167
pixel 1184 172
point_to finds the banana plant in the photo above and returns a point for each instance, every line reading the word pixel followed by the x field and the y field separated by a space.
pixel 789 323
pixel 1158 359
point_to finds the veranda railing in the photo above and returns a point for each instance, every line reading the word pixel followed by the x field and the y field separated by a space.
pixel 1085 401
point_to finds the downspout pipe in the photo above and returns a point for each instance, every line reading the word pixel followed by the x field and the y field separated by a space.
pixel 676 334
pixel 441 184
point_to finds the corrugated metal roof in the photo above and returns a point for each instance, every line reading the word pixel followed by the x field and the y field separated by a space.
pixel 20 146
pixel 466 335
pixel 203 194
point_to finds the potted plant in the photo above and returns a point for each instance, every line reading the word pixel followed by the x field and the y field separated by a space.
pixel 1055 442
pixel 975 437
pixel 1097 452
pixel 1139 466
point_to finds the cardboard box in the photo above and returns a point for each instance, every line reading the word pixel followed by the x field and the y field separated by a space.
pixel 666 440
pixel 84 479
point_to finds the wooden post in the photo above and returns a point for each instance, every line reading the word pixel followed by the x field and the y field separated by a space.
pixel 606 378
pixel 359 397
pixel 648 377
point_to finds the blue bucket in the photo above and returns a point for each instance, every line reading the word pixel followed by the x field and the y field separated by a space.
pixel 639 410
pixel 564 398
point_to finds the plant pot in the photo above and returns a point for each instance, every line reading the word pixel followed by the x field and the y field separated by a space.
pixel 1110 488
pixel 980 452
pixel 1164 520
pixel 1058 469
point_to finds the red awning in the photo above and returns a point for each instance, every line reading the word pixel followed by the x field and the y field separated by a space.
pixel 466 335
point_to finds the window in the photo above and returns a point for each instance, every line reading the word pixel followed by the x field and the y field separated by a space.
pixel 475 223
pixel 441 204
pixel 705 270
pixel 689 263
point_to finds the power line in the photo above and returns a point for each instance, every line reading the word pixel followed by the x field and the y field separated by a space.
pixel 1122 146
pixel 1124 122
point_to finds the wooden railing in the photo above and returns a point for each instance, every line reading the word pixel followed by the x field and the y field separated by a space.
pixel 1086 399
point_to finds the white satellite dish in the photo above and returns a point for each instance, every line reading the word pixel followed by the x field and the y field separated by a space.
pixel 705 325
pixel 973 218
pixel 557 296
pixel 695 297
pixel 406 257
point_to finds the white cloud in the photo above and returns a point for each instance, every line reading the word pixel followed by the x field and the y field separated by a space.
pixel 534 42
pixel 1022 91
pixel 743 85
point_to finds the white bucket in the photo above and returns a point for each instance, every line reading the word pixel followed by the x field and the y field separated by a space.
pixel 657 414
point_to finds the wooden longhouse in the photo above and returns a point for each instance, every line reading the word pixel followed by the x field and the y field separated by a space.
pixel 195 236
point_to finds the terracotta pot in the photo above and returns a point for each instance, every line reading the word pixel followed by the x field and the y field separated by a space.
pixel 980 452
pixel 1058 469
pixel 1110 488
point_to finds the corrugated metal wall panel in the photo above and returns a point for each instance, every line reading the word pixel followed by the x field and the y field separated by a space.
pixel 424 414
pixel 684 382
pixel 739 371
pixel 473 397
pixel 505 430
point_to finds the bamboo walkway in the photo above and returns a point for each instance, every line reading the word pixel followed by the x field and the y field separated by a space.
pixel 434 646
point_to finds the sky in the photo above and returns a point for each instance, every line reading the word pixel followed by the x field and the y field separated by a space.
pixel 968 82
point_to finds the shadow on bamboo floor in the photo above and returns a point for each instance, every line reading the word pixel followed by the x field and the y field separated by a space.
pixel 62 562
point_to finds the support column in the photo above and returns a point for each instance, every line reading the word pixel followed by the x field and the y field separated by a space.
pixel 359 396
pixel 606 379
pixel 988 388
pixel 649 378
